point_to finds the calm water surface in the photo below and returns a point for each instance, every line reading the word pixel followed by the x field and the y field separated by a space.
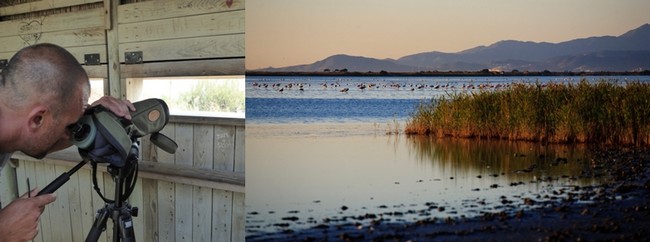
pixel 299 182
pixel 319 155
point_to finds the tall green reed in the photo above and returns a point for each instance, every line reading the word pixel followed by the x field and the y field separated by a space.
pixel 600 113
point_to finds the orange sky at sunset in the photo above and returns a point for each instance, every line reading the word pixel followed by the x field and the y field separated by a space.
pixel 291 32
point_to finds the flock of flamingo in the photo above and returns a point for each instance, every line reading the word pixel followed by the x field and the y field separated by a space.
pixel 346 86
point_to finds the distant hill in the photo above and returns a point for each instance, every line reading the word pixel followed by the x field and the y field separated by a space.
pixel 351 63
pixel 627 52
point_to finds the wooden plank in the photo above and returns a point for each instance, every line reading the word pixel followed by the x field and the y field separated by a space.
pixel 166 214
pixel 115 87
pixel 46 174
pixel 134 89
pixel 32 29
pixel 110 15
pixel 149 209
pixel 221 215
pixel 87 210
pixel 166 199
pixel 184 155
pixel 212 24
pixel 77 52
pixel 98 203
pixel 240 149
pixel 96 71
pixel 60 209
pixel 224 148
pixel 161 9
pixel 202 197
pixel 197 182
pixel 41 5
pixel 73 186
pixel 207 120
pixel 109 192
pixel 223 46
pixel 238 221
pixel 35 181
pixel 211 67
pixel 238 214
pixel 234 178
pixel 231 181
pixel 147 149
pixel 136 200
pixel 203 141
pixel 65 38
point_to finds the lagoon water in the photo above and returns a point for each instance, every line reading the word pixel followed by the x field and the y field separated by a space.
pixel 319 155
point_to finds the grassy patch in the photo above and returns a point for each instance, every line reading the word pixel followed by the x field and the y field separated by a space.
pixel 600 113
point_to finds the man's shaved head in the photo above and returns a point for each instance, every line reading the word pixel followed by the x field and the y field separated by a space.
pixel 43 72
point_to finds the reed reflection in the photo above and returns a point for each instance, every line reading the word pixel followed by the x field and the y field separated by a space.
pixel 517 162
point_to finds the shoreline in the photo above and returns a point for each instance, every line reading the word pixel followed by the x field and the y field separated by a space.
pixel 319 129
pixel 615 210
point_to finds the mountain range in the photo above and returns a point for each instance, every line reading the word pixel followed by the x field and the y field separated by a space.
pixel 627 52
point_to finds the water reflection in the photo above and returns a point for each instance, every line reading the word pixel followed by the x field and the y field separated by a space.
pixel 517 162
pixel 298 182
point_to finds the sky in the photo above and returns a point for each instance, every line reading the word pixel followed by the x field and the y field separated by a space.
pixel 283 33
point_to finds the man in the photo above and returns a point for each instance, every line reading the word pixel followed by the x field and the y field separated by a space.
pixel 43 89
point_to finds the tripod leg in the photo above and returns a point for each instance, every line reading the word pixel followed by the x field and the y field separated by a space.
pixel 99 225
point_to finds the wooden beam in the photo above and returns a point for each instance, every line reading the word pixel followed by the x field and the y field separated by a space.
pixel 207 120
pixel 185 174
pixel 210 67
pixel 223 46
pixel 212 24
pixel 64 38
pixel 96 71
pixel 78 52
pixel 115 87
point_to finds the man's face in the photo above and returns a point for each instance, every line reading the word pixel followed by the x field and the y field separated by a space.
pixel 55 134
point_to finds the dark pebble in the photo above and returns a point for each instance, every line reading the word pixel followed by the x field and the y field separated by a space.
pixel 283 225
pixel 292 218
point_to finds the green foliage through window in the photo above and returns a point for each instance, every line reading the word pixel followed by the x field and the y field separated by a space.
pixel 222 96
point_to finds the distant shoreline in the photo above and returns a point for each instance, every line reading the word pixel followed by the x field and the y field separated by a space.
pixel 447 73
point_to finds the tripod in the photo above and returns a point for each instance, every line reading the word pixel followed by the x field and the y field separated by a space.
pixel 118 209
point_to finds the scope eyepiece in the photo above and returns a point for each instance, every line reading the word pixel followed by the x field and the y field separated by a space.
pixel 83 132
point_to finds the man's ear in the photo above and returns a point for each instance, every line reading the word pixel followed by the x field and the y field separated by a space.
pixel 37 117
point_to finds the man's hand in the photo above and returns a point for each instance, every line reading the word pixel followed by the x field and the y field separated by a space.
pixel 121 108
pixel 19 220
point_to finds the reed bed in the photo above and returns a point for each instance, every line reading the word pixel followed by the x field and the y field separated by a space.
pixel 598 113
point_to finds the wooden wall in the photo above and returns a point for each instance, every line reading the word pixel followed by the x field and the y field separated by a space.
pixel 196 194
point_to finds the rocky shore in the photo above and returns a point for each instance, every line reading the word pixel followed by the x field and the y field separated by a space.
pixel 616 210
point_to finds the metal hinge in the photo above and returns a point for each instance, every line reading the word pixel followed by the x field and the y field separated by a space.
pixel 134 57
pixel 91 59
